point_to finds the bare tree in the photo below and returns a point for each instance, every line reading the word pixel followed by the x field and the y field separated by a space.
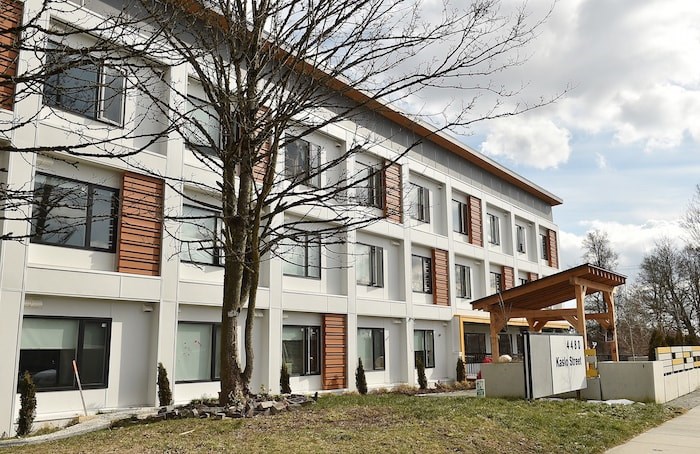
pixel 268 73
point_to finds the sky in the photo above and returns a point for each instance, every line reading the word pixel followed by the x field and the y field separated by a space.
pixel 622 146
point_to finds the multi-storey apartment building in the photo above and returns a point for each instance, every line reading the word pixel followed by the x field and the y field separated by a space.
pixel 118 294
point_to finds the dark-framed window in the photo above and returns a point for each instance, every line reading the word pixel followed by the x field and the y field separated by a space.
pixel 202 126
pixel 369 265
pixel 520 238
pixel 197 352
pixel 301 162
pixel 505 344
pixel 370 189
pixel 301 349
pixel 496 282
pixel 523 281
pixel 74 214
pixel 463 284
pixel 370 348
pixel 50 344
pixel 424 346
pixel 84 85
pixel 199 236
pixel 494 229
pixel 460 217
pixel 543 246
pixel 420 203
pixel 475 344
pixel 422 274
pixel 301 254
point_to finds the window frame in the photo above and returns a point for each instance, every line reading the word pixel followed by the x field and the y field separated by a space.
pixel 496 281
pixel 371 195
pixel 544 249
pixel 38 217
pixel 309 173
pixel 420 206
pixel 461 224
pixel 426 274
pixel 520 239
pixel 201 105
pixel 306 365
pixel 376 266
pixel 99 100
pixel 375 332
pixel 214 356
pixel 79 351
pixel 494 229
pixel 217 258
pixel 308 238
pixel 463 278
pixel 425 350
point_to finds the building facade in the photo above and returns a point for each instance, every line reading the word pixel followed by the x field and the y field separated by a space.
pixel 103 280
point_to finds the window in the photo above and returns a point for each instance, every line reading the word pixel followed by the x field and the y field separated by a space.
pixel 460 223
pixel 302 255
pixel 505 346
pixel 301 349
pixel 49 346
pixel 74 214
pixel 369 265
pixel 420 203
pixel 200 229
pixel 370 189
pixel 197 352
pixel 523 281
pixel 370 348
pixel 520 238
pixel 422 274
pixel 202 127
pixel 424 347
pixel 84 85
pixel 543 246
pixel 463 285
pixel 302 160
pixel 496 282
pixel 494 229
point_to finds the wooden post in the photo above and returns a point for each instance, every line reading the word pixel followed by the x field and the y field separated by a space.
pixel 610 302
pixel 495 328
pixel 581 312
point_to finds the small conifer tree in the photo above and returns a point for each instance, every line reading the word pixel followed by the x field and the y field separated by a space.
pixel 165 395
pixel 461 371
pixel 360 380
pixel 284 380
pixel 422 381
pixel 27 411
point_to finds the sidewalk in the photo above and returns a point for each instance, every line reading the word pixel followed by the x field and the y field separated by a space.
pixel 680 435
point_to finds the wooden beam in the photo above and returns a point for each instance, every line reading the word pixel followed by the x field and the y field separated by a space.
pixel 609 299
pixel 580 291
pixel 498 321
pixel 536 325
pixel 591 284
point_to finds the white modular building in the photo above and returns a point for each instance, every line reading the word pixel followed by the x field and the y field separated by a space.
pixel 114 290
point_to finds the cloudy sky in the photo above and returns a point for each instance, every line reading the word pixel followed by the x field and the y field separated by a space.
pixel 622 148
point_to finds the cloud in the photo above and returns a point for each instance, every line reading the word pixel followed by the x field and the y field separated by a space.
pixel 601 162
pixel 533 140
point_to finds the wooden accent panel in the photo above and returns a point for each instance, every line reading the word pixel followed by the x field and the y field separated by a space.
pixel 140 225
pixel 10 18
pixel 392 193
pixel 508 277
pixel 334 352
pixel 441 278
pixel 532 277
pixel 552 249
pixel 476 235
pixel 262 163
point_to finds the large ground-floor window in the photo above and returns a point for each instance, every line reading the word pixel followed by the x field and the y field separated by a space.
pixel 50 344
pixel 197 352
pixel 370 348
pixel 301 349
pixel 424 346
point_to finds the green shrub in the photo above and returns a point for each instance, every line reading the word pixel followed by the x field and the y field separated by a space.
pixel 360 380
pixel 461 371
pixel 422 381
pixel 27 411
pixel 284 380
pixel 165 395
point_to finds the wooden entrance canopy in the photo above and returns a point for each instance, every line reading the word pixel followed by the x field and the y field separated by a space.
pixel 532 301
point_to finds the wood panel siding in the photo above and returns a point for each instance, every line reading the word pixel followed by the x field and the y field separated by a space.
pixel 508 277
pixel 552 249
pixel 532 277
pixel 334 352
pixel 262 163
pixel 140 225
pixel 441 278
pixel 392 193
pixel 476 236
pixel 10 19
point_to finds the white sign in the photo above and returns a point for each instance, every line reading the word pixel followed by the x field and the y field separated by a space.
pixel 554 364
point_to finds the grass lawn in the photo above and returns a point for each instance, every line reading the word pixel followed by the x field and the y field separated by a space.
pixel 388 423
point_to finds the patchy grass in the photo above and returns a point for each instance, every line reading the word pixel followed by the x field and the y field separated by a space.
pixel 391 423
